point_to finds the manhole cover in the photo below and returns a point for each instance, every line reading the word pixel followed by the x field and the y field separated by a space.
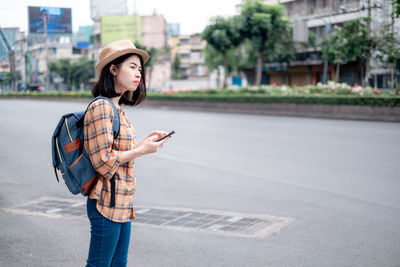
pixel 220 222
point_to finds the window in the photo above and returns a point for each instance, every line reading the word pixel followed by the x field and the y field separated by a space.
pixel 185 41
pixel 76 51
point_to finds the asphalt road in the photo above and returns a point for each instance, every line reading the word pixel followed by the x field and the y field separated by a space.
pixel 339 180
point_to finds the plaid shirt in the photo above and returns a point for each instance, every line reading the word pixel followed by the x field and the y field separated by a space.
pixel 104 153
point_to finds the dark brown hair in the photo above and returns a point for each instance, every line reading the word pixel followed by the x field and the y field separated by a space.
pixel 105 86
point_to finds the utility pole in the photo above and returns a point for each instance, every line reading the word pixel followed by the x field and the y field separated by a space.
pixel 46 51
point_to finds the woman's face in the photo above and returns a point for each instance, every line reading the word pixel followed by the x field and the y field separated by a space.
pixel 128 75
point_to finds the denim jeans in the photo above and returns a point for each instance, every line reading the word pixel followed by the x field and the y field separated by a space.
pixel 109 241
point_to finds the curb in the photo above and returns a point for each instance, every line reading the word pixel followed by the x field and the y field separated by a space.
pixel 388 114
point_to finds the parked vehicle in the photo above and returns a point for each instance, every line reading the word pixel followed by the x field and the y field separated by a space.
pixel 35 87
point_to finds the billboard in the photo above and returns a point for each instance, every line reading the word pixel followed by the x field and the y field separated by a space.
pixel 114 28
pixel 58 20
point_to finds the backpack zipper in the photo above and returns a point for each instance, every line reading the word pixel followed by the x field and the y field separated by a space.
pixel 58 150
pixel 69 134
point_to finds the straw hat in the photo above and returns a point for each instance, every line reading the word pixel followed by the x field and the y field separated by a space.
pixel 119 48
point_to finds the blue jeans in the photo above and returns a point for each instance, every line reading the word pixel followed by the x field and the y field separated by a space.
pixel 109 241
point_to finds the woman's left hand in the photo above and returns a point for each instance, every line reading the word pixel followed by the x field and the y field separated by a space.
pixel 160 134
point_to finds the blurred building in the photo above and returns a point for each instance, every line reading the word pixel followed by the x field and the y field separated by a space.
pixel 174 29
pixel 110 10
pixel 320 17
pixel 20 51
pixel 154 31
pixel 10 35
pixel 61 48
pixel 123 22
pixel 100 8
pixel 83 39
pixel 188 49
pixel 154 35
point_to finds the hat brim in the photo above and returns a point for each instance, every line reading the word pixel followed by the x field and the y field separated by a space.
pixel 143 54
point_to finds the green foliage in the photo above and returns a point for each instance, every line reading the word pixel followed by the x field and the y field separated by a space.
pixel 6 78
pixel 325 94
pixel 237 58
pixel 335 49
pixel 264 26
pixel 349 42
pixel 177 67
pixel 312 41
pixel 396 8
pixel 222 37
pixel 268 31
pixel 73 73
pixel 389 101
pixel 82 71
pixel 152 53
pixel 222 34
pixel 359 44
pixel 388 46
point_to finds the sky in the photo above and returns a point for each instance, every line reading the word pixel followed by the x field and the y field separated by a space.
pixel 193 15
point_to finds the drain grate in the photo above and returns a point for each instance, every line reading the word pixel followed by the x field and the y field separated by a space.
pixel 220 222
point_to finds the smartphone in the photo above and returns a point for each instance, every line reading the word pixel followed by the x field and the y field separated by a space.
pixel 169 134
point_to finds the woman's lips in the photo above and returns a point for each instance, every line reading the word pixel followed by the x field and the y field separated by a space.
pixel 136 82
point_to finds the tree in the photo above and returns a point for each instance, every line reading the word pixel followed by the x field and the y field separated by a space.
pixel 334 49
pixel 396 8
pixel 63 68
pixel 286 51
pixel 388 50
pixel 223 36
pixel 6 78
pixel 82 71
pixel 352 44
pixel 74 73
pixel 177 67
pixel 238 58
pixel 263 25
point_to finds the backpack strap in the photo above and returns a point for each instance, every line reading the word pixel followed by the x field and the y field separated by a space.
pixel 116 133
pixel 112 199
pixel 116 115
pixel 115 118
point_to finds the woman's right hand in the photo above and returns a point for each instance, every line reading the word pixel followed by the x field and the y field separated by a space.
pixel 149 144
pixel 145 146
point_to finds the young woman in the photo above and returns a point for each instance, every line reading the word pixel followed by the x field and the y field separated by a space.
pixel 122 80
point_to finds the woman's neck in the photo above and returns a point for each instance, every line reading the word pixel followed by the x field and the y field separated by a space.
pixel 115 100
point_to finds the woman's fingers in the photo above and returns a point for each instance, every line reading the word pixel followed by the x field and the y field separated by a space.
pixel 158 133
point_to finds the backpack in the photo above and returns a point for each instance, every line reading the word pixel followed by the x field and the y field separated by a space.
pixel 70 156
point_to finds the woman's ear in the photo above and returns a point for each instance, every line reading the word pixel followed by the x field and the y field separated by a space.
pixel 113 70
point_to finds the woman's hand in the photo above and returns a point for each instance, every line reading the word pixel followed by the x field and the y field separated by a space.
pixel 159 134
pixel 149 144
pixel 145 146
